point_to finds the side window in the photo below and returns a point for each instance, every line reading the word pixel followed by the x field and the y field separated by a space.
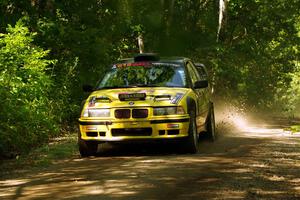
pixel 192 72
pixel 202 71
pixel 203 74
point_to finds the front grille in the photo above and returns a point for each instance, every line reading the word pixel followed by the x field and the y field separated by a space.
pixel 140 113
pixel 127 113
pixel 92 134
pixel 122 113
pixel 161 132
pixel 131 132
pixel 173 132
pixel 102 134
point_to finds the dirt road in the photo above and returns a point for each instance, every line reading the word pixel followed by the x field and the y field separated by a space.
pixel 257 163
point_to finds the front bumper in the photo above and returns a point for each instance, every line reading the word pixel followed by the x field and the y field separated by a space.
pixel 119 130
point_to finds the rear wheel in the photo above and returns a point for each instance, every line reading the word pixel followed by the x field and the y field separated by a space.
pixel 210 124
pixel 191 143
pixel 87 148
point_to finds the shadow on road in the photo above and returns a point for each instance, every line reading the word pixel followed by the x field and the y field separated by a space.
pixel 248 164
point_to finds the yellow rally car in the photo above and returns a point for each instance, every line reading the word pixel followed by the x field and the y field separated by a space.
pixel 148 98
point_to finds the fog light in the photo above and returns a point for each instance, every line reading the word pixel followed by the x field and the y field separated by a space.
pixel 91 128
pixel 172 125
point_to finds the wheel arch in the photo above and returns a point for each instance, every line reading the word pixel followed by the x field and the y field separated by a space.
pixel 191 105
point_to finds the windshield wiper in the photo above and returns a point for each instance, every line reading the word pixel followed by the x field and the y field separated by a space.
pixel 143 85
pixel 110 87
pixel 127 86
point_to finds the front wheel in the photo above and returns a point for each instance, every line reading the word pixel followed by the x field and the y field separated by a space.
pixel 210 124
pixel 191 143
pixel 87 148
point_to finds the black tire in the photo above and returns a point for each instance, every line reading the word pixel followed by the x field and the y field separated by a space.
pixel 191 143
pixel 87 148
pixel 210 124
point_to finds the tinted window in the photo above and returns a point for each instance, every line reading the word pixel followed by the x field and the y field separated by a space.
pixel 192 72
pixel 202 72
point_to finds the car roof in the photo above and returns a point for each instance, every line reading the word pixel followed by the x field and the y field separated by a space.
pixel 153 58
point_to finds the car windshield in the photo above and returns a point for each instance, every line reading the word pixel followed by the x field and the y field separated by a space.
pixel 144 75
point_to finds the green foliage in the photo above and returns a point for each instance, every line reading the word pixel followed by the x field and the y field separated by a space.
pixel 295 128
pixel 25 119
pixel 289 97
pixel 255 61
pixel 61 148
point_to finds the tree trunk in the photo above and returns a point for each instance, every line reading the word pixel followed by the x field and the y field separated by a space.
pixel 141 43
pixel 222 19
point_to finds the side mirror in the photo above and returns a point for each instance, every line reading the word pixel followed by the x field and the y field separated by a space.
pixel 199 65
pixel 87 88
pixel 201 84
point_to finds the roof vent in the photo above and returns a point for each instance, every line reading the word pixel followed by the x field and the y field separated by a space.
pixel 146 57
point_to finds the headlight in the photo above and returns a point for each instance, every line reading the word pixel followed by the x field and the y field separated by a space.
pixel 96 112
pixel 172 110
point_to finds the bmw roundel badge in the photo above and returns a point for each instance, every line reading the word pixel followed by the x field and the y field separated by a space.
pixel 131 103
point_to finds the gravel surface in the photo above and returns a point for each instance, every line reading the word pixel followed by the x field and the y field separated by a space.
pixel 259 162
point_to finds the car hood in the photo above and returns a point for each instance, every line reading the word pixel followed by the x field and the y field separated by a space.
pixel 155 96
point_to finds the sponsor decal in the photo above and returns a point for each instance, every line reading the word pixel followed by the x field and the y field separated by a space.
pixel 136 64
pixel 132 96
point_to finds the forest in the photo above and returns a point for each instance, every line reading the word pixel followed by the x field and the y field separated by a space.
pixel 50 48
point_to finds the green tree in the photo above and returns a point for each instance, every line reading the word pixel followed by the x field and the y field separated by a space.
pixel 26 118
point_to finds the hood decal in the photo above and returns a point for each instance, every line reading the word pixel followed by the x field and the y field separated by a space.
pixel 177 98
pixel 145 96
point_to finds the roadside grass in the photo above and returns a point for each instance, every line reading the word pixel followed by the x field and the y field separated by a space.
pixel 58 149
pixel 293 129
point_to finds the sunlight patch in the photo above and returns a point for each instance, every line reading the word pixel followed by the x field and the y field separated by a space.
pixel 15 182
